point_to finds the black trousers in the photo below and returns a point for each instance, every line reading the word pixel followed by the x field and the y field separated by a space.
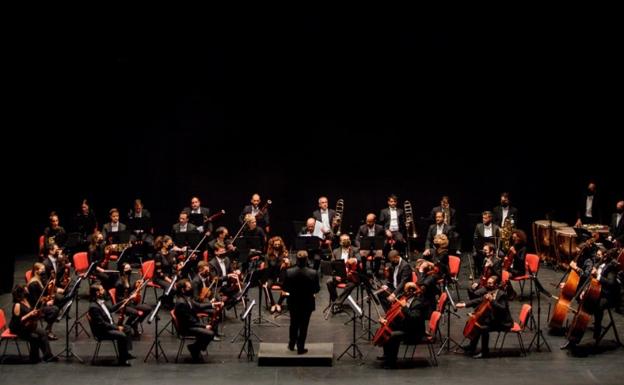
pixel 299 321
pixel 202 336
pixel 123 340
pixel 38 340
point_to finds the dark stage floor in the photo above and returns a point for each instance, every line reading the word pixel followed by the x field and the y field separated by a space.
pixel 602 366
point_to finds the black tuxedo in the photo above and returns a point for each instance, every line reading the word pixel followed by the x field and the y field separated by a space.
pixel 452 220
pixel 431 233
pixel 617 231
pixel 317 215
pixel 262 220
pixel 363 233
pixel 337 253
pixel 384 218
pixel 498 319
pixel 497 215
pixel 404 275
pixel 409 328
pixel 188 324
pixel 302 283
pixel 479 240
pixel 596 209
pixel 107 230
pixel 103 328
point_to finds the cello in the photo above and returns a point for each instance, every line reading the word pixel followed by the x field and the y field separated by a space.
pixel 568 293
pixel 589 302
pixel 473 322
pixel 394 313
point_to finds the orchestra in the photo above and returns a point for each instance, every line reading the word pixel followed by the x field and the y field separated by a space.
pixel 208 282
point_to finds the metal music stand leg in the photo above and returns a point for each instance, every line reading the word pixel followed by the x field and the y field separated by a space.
pixel 69 353
pixel 156 346
pixel 615 331
pixel 448 340
pixel 260 320
pixel 357 353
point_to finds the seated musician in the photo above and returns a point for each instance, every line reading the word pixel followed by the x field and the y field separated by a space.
pixel 497 319
pixel 441 256
pixel 350 277
pixel 314 228
pixel 165 266
pixel 188 323
pixel 114 226
pixel 393 220
pixel 228 280
pixel 97 253
pixel 486 231
pixel 253 230
pixel 103 327
pixel 135 312
pixel 261 214
pixel 197 215
pixel 36 287
pixel 410 328
pixel 439 227
pixel 493 265
pixel 427 279
pixel 518 252
pixel 277 261
pixel 140 226
pixel 203 289
pixel 401 274
pixel 222 235
pixel 605 270
pixel 54 233
pixel 371 229
pixel 24 324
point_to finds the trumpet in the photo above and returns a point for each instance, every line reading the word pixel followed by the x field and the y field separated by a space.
pixel 409 220
pixel 337 221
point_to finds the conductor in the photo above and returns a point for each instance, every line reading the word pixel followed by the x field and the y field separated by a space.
pixel 302 283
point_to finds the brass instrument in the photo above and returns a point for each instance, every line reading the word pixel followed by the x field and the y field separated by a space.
pixel 337 221
pixel 506 231
pixel 409 220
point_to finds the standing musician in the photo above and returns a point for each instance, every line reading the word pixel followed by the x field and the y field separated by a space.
pixel 616 228
pixel 496 318
pixel 260 213
pixel 439 227
pixel 408 326
pixel 302 284
pixel 393 221
pixel 493 265
pixel 135 312
pixel 188 323
pixel 103 326
pixel 37 285
pixel 198 216
pixel 370 229
pixel 401 274
pixel 449 213
pixel 324 215
pixel 486 231
pixel 24 323
pixel 589 206
pixel 277 261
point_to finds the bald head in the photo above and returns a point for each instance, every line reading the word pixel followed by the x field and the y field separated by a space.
pixel 370 219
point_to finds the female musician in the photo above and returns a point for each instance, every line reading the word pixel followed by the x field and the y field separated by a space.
pixel 492 265
pixel 427 279
pixel 518 253
pixel 277 255
pixel 497 318
pixel 165 266
pixel 24 324
pixel 97 254
pixel 441 255
pixel 36 286
pixel 408 326
pixel 135 312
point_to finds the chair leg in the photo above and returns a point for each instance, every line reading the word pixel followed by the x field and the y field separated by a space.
pixel 500 349
pixel 521 289
pixel 180 347
pixel 6 344
pixel 521 343
pixel 496 341
pixel 115 348
pixel 96 352
pixel 432 355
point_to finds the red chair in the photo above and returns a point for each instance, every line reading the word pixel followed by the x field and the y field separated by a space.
pixel 430 339
pixel 454 264
pixel 205 255
pixel 28 275
pixel 147 269
pixel 532 264
pixel 518 328
pixel 414 277
pixel 41 246
pixel 81 262
pixel 7 336
pixel 113 294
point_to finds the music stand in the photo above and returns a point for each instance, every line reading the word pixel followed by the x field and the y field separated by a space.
pixel 538 338
pixel 247 344
pixel 156 346
pixel 336 268
pixel 370 297
pixel 448 340
pixel 243 297
pixel 372 243
pixel 116 237
pixel 245 245
pixel 357 312
pixel 64 313
pixel 258 277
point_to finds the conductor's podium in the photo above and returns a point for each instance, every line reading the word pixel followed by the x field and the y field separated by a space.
pixel 277 354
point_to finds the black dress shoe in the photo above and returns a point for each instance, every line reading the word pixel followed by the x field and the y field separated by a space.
pixel 381 358
pixel 302 351
pixel 124 363
pixel 567 345
pixel 291 347
pixel 389 365
pixel 131 356
pixel 481 355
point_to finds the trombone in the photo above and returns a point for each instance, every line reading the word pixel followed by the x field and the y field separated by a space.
pixel 409 220
pixel 337 221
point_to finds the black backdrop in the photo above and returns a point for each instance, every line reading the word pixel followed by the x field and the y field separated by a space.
pixel 164 108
